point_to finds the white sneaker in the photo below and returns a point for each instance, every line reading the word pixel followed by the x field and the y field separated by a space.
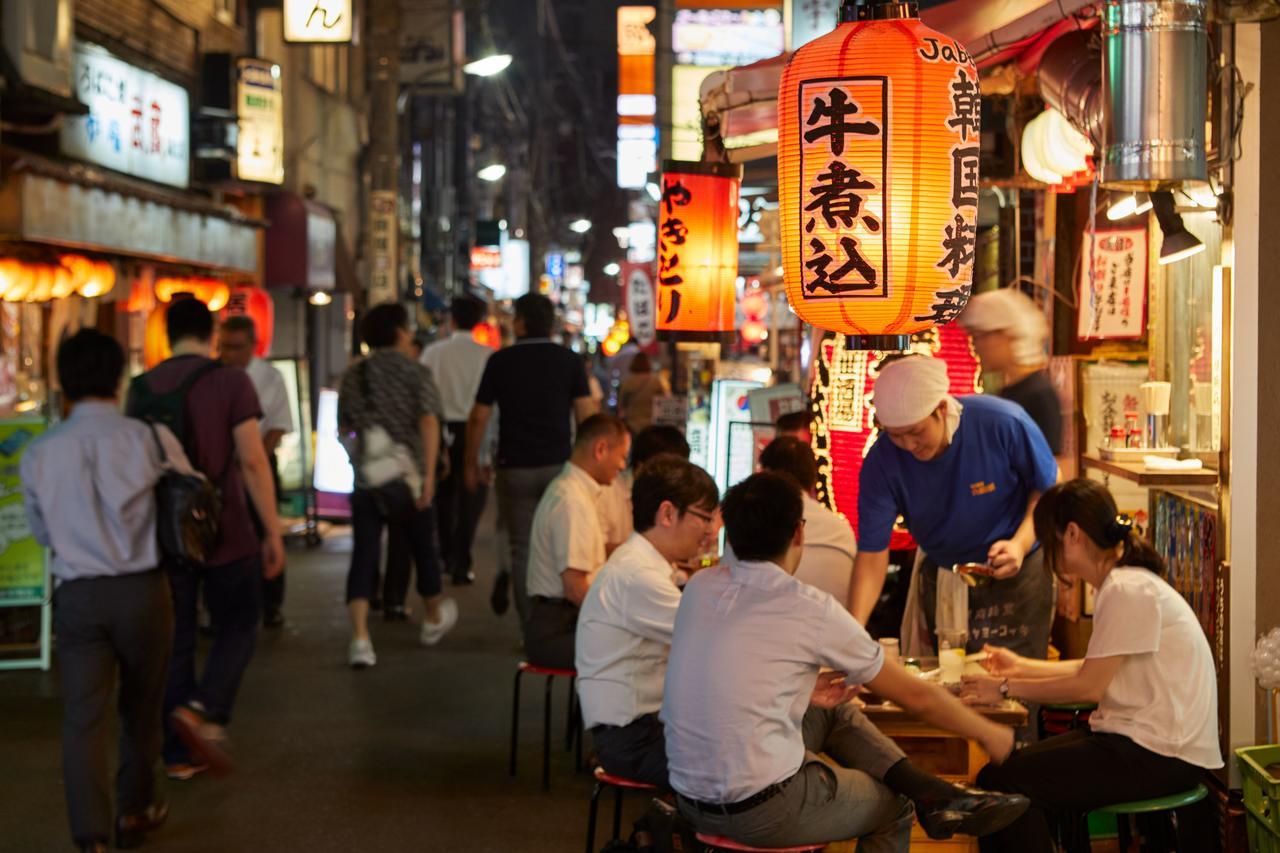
pixel 361 655
pixel 433 632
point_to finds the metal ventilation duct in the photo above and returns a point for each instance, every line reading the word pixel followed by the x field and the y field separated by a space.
pixel 1070 80
pixel 1154 66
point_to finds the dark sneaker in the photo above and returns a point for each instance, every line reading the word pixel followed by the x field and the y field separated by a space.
pixel 206 739
pixel 273 619
pixel 132 829
pixel 463 578
pixel 395 614
pixel 184 772
pixel 971 812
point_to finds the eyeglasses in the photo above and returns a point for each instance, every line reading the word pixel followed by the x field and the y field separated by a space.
pixel 705 516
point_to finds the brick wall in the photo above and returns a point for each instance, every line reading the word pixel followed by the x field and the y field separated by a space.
pixel 157 32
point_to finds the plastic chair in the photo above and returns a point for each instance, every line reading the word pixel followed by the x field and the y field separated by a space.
pixel 1158 805
pixel 573 727
pixel 716 842
pixel 619 784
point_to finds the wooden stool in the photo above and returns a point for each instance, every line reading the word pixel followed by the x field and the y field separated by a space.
pixel 619 784
pixel 716 842
pixel 1159 805
pixel 573 728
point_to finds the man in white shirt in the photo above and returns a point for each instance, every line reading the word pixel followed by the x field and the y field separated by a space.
pixel 624 629
pixel 457 363
pixel 746 712
pixel 829 547
pixel 237 341
pixel 615 505
pixel 566 543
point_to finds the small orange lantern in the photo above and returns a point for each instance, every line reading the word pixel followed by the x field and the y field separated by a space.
pixel 697 250
pixel 878 149
pixel 155 338
pixel 255 303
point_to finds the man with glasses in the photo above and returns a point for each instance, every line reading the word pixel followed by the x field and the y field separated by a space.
pixel 625 624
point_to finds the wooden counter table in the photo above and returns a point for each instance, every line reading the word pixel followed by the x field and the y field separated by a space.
pixel 942 753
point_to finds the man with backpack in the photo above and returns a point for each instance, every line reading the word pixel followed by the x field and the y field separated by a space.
pixel 214 411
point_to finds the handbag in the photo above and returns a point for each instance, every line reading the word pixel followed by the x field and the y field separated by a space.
pixel 382 460
pixel 188 508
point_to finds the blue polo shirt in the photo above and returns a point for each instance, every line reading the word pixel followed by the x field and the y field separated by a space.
pixel 973 495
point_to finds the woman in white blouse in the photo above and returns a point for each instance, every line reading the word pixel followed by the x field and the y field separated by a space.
pixel 1148 667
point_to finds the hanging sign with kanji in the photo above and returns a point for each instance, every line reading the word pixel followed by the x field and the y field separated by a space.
pixel 878 154
pixel 1113 285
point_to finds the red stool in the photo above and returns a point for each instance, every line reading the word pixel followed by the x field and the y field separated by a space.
pixel 572 732
pixel 718 843
pixel 619 784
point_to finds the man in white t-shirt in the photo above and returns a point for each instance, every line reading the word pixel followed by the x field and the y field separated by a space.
pixel 237 340
pixel 746 712
pixel 615 504
pixel 567 543
pixel 624 628
pixel 829 547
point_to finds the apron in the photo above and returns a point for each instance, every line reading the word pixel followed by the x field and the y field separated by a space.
pixel 1016 613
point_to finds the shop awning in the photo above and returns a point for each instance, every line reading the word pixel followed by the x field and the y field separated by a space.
pixel 80 207
pixel 740 102
pixel 305 246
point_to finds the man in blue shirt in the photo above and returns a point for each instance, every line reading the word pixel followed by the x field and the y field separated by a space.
pixel 965 475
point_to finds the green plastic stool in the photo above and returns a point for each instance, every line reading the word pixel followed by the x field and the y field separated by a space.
pixel 1122 811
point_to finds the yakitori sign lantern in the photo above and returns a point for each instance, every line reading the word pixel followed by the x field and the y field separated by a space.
pixel 697 250
pixel 878 149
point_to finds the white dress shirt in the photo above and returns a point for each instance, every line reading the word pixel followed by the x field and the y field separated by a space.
pixel 273 396
pixel 457 363
pixel 566 532
pixel 624 634
pixel 748 643
pixel 615 508
pixel 827 559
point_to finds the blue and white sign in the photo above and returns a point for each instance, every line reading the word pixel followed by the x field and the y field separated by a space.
pixel 138 123
pixel 555 265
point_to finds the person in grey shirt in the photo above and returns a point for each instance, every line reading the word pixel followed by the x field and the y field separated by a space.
pixel 88 486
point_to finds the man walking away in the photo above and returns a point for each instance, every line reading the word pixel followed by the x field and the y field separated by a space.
pixel 88 485
pixel 236 342
pixel 219 417
pixel 457 363
pixel 390 408
pixel 540 387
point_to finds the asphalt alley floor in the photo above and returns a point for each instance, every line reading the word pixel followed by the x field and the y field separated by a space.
pixel 408 756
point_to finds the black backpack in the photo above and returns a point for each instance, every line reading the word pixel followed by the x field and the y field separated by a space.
pixel 187 507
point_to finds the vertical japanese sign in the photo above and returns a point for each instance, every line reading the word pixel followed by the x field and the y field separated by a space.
pixel 697 249
pixel 22 559
pixel 260 114
pixel 641 310
pixel 1113 290
pixel 137 123
pixel 959 236
pixel 843 163
pixel 384 233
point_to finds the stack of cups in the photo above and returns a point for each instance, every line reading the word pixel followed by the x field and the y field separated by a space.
pixel 1155 399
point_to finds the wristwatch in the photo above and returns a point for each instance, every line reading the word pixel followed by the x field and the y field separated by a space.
pixel 1004 689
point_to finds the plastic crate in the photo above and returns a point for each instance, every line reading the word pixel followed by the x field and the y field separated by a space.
pixel 1262 838
pixel 1261 793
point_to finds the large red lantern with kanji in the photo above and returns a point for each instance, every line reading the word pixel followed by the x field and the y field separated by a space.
pixel 697 250
pixel 878 149
pixel 844 419
pixel 254 303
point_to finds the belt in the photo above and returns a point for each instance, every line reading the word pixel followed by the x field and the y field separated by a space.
pixel 742 805
pixel 542 599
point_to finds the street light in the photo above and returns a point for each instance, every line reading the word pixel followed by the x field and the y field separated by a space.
pixel 612 268
pixel 580 226
pixel 489 65
pixel 492 173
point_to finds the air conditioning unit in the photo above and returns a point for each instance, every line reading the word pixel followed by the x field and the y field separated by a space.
pixel 37 36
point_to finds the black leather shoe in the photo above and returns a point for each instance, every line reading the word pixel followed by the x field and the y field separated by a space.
pixel 272 619
pixel 464 578
pixel 972 812
pixel 131 830
pixel 499 601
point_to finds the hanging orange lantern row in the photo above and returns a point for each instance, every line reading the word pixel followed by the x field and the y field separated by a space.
pixel 254 303
pixel 697 250
pixel 878 150
pixel 212 292
pixel 21 281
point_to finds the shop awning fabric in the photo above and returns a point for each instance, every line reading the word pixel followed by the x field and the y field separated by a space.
pixel 743 100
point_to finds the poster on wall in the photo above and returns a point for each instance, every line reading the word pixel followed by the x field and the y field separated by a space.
pixel 22 559
pixel 730 405
pixel 1112 291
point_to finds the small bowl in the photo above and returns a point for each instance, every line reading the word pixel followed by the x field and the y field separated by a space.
pixel 974 574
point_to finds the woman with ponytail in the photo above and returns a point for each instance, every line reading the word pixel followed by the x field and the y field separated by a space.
pixel 1148 667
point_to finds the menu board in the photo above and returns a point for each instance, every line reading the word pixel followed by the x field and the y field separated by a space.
pixel 22 559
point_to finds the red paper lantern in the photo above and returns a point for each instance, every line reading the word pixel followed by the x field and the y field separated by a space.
pixel 878 149
pixel 254 303
pixel 844 426
pixel 697 250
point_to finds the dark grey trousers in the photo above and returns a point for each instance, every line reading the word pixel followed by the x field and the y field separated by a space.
pixel 105 625
pixel 519 490
pixel 550 633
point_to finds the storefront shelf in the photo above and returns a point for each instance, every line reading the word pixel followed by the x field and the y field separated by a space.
pixel 1138 473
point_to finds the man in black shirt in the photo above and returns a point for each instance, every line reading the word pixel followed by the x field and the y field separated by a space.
pixel 539 387
pixel 1009 334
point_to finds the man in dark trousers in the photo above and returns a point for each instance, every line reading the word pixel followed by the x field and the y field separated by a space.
pixel 539 388
pixel 222 437
pixel 89 490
